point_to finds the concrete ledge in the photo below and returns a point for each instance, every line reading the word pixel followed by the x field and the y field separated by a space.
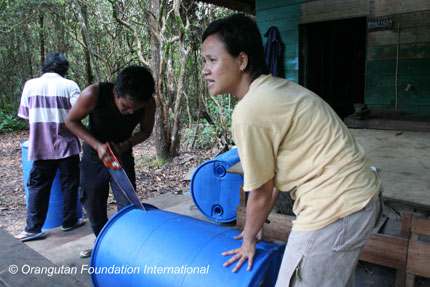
pixel 398 122
pixel 18 257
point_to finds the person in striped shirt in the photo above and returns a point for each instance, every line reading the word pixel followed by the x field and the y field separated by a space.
pixel 45 103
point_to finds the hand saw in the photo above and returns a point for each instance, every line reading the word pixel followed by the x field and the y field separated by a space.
pixel 118 173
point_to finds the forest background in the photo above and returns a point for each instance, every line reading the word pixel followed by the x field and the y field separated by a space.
pixel 102 37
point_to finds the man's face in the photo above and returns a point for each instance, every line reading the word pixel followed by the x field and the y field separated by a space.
pixel 126 105
pixel 221 70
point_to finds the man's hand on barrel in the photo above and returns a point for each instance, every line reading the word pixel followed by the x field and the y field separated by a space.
pixel 257 209
pixel 259 236
pixel 245 252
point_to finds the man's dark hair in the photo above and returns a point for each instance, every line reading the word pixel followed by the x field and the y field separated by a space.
pixel 240 34
pixel 55 62
pixel 135 82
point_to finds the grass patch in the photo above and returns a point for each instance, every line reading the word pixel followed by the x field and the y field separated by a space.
pixel 151 161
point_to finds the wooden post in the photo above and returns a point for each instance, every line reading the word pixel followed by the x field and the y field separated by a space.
pixel 404 233
pixel 418 251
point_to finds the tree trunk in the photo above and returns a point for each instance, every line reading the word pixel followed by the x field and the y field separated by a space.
pixel 83 16
pixel 90 77
pixel 60 42
pixel 184 52
pixel 201 90
pixel 41 38
pixel 160 137
pixel 174 145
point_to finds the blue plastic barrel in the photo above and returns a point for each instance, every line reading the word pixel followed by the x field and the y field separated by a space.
pixel 161 248
pixel 215 192
pixel 54 217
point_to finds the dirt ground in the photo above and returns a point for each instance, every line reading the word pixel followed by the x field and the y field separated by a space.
pixel 402 158
pixel 150 180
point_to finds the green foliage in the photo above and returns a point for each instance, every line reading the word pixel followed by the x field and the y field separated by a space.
pixel 151 161
pixel 207 136
pixel 227 103
pixel 159 161
pixel 25 39
pixel 168 49
pixel 9 121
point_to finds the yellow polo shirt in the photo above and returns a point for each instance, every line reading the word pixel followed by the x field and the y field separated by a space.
pixel 286 132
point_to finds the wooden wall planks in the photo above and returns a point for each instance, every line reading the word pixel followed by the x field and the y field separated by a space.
pixel 407 51
pixel 316 11
pixel 411 35
pixel 391 7
pixel 414 45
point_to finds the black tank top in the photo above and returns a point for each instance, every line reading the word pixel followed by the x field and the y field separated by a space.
pixel 106 122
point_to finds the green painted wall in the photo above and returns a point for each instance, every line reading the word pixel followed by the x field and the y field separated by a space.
pixel 285 15
pixel 414 45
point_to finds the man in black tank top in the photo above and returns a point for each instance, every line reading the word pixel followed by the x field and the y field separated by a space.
pixel 114 111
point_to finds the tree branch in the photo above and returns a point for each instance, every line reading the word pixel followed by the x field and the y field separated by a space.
pixel 135 34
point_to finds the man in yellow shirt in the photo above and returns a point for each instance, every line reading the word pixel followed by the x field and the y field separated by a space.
pixel 289 138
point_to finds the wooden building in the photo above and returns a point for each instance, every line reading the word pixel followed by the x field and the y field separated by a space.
pixel 375 52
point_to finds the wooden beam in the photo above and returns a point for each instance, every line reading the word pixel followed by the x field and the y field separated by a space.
pixel 388 124
pixel 405 232
pixel 242 196
pixel 419 258
pixel 393 7
pixel 314 11
pixel 380 249
pixel 279 227
pixel 419 251
pixel 406 225
pixel 386 250
pixel 247 6
pixel 420 225
pixel 236 169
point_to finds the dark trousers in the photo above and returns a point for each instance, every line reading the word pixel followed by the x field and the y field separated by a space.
pixel 94 191
pixel 39 184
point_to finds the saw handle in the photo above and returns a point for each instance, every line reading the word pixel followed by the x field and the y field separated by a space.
pixel 115 162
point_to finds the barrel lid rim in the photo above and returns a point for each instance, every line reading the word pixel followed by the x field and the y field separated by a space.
pixel 212 161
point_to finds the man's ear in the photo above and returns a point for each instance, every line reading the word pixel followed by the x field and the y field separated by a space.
pixel 243 61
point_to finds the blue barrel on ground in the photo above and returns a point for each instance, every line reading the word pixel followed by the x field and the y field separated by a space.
pixel 54 217
pixel 215 192
pixel 161 248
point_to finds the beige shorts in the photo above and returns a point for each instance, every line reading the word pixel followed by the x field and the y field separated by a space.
pixel 328 256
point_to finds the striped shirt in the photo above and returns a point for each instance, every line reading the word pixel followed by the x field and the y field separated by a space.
pixel 45 102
